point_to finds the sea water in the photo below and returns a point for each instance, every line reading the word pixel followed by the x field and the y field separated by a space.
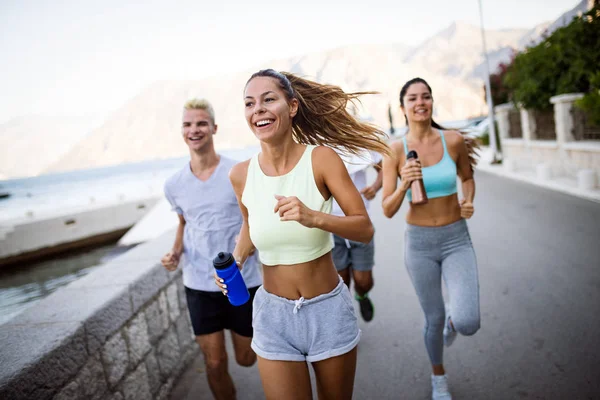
pixel 33 198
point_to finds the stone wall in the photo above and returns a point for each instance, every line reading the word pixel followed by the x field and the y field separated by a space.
pixel 585 156
pixel 513 150
pixel 120 332
pixel 551 149
pixel 546 152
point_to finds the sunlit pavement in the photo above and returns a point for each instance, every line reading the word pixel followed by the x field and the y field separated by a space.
pixel 539 269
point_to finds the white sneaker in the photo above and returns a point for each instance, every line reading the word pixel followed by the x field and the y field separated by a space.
pixel 439 388
pixel 449 332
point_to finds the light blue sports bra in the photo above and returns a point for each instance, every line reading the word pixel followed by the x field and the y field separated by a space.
pixel 439 179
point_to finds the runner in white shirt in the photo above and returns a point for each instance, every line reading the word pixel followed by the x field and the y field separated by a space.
pixel 209 222
pixel 355 260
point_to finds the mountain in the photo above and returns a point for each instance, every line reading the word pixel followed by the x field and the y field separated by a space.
pixel 31 144
pixel 383 68
pixel 148 126
pixel 457 50
pixel 546 29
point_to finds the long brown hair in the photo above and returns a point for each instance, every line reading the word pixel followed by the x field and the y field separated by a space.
pixel 322 117
pixel 472 144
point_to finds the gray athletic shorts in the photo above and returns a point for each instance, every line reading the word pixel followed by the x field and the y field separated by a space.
pixel 305 329
pixel 347 253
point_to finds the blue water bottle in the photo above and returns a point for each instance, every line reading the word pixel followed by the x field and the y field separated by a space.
pixel 228 270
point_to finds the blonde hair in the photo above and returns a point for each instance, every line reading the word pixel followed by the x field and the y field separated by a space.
pixel 323 117
pixel 201 104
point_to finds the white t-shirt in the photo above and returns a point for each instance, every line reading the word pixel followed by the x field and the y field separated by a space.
pixel 213 220
pixel 357 168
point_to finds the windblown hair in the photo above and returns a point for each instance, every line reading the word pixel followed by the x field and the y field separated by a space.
pixel 323 118
pixel 472 145
pixel 201 104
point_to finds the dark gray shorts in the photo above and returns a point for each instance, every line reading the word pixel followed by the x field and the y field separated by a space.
pixel 347 253
pixel 304 330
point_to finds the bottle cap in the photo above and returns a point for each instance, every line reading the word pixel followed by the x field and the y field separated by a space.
pixel 411 154
pixel 223 260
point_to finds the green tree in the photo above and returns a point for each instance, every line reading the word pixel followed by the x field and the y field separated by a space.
pixel 500 93
pixel 591 101
pixel 564 62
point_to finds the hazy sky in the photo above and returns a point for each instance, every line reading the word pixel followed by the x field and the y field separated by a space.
pixel 74 57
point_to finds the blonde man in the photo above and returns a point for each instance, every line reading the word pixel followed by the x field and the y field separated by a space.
pixel 209 221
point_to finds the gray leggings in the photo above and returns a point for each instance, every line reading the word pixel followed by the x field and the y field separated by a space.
pixel 433 252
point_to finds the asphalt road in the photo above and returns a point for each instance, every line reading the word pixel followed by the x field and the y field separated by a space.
pixel 539 268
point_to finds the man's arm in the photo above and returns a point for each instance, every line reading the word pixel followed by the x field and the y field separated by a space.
pixel 178 245
pixel 370 191
pixel 171 259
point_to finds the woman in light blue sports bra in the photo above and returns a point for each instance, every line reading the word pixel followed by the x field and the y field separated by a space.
pixel 437 242
pixel 304 311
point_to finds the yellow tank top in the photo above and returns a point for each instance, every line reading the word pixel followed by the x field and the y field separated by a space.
pixel 285 242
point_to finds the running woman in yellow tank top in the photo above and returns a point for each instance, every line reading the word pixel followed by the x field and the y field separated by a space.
pixel 303 312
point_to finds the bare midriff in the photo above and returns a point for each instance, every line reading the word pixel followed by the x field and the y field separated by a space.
pixel 307 280
pixel 436 212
